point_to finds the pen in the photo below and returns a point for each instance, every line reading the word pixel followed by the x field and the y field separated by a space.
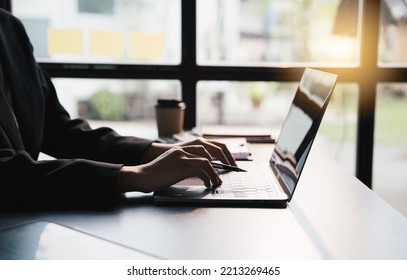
pixel 228 167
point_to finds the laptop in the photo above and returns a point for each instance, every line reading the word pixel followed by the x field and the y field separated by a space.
pixel 271 183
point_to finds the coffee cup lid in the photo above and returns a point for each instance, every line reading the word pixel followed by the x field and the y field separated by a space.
pixel 170 103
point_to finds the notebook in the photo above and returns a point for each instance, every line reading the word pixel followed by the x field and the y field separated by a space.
pixel 250 133
pixel 271 183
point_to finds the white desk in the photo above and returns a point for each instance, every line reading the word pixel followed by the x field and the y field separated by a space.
pixel 332 216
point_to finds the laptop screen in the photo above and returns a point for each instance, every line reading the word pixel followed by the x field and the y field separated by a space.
pixel 301 126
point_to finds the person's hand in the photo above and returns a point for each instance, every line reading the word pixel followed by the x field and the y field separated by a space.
pixel 216 150
pixel 178 163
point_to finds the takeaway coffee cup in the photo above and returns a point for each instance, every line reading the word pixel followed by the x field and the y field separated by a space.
pixel 169 114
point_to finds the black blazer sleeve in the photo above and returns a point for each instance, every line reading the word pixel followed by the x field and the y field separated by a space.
pixel 88 160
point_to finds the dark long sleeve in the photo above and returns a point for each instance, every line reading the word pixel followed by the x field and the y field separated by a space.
pixel 87 161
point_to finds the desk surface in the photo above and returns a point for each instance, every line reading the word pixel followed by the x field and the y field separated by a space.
pixel 331 216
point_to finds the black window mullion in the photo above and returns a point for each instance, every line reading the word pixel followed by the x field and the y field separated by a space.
pixel 368 74
pixel 5 4
pixel 189 68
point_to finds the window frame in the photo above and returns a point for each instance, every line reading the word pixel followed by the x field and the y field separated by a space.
pixel 367 75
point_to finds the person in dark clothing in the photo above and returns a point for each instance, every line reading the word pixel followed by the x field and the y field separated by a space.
pixel 90 164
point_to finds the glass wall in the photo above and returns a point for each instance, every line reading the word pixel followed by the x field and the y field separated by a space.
pixel 390 153
pixel 390 142
pixel 114 99
pixel 393 33
pixel 390 150
pixel 279 32
pixel 103 31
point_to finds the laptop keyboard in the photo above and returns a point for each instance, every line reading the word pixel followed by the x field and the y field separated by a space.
pixel 251 184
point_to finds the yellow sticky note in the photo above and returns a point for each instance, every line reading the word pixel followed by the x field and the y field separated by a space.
pixel 107 43
pixel 65 41
pixel 146 45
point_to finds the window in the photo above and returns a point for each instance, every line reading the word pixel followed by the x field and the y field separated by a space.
pixel 390 161
pixel 279 33
pixel 224 55
pixel 114 32
pixel 390 137
pixel 393 33
pixel 272 34
pixel 114 99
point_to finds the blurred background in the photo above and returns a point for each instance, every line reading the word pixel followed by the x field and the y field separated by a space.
pixel 241 34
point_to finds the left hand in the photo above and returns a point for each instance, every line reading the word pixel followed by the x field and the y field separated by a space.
pixel 216 150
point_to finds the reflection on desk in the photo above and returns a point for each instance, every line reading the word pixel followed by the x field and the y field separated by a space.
pixel 49 241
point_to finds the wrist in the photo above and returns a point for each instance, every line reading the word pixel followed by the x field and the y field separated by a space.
pixel 153 151
pixel 134 178
pixel 124 181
